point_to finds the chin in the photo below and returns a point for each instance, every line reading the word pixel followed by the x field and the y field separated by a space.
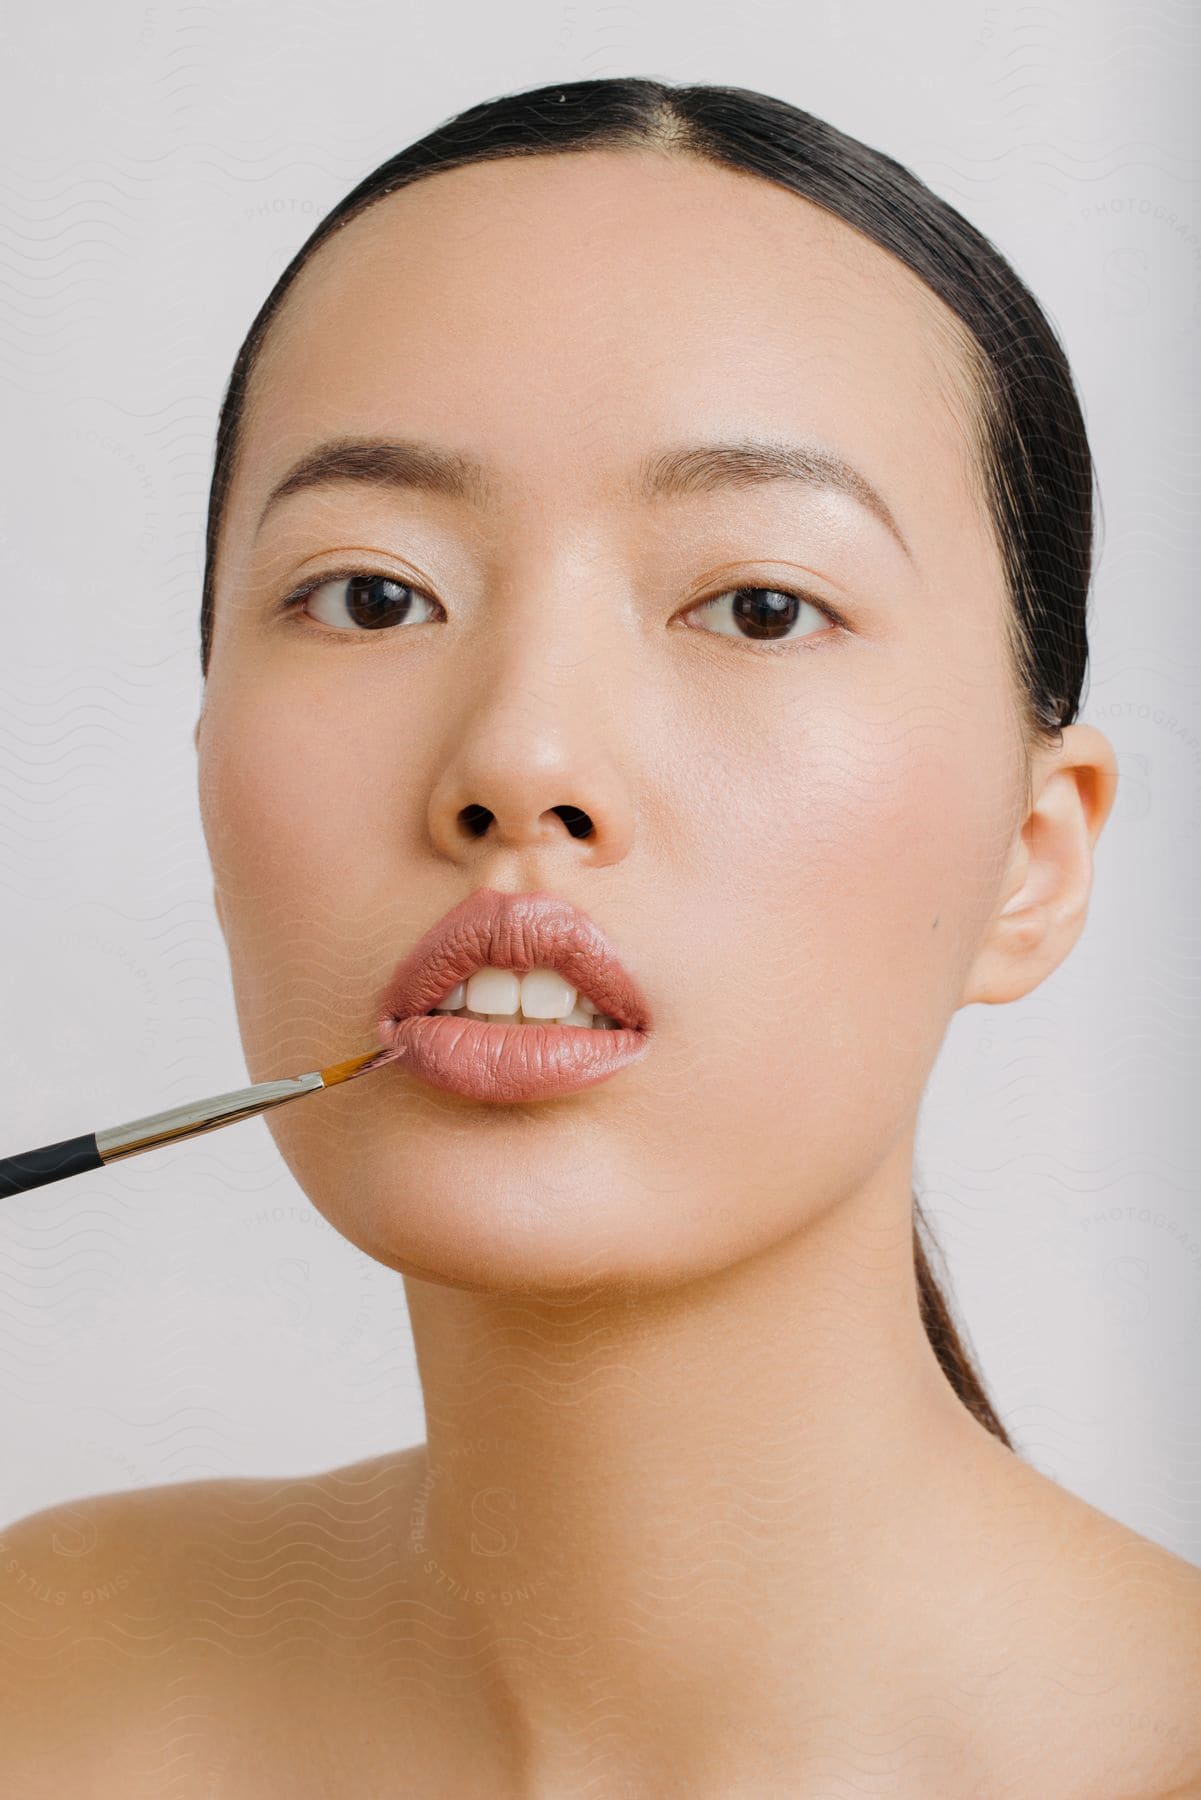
pixel 553 1219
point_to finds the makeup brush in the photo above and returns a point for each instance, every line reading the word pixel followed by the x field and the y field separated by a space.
pixel 73 1156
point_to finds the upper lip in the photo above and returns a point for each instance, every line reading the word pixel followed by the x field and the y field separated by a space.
pixel 491 929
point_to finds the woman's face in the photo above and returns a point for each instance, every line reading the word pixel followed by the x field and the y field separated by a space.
pixel 798 840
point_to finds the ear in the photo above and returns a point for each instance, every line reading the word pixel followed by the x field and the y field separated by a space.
pixel 1043 901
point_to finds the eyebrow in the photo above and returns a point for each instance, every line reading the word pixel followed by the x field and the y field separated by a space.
pixel 674 472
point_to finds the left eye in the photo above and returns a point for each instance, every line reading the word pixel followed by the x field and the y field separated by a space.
pixel 371 602
pixel 765 614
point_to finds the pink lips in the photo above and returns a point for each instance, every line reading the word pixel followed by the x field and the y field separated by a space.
pixel 487 1061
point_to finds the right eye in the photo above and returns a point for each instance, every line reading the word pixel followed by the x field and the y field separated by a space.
pixel 357 600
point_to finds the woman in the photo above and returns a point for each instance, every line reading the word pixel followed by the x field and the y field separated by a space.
pixel 650 539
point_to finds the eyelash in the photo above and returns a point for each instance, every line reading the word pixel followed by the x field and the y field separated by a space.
pixel 291 603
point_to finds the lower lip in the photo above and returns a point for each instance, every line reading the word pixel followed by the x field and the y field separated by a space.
pixel 484 1060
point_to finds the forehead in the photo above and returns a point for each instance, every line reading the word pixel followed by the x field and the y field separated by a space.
pixel 557 315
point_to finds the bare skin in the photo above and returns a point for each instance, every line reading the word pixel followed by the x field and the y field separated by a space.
pixel 256 1639
pixel 699 1514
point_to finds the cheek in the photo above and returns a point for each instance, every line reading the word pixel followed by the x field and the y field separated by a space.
pixel 281 789
pixel 890 840
pixel 916 816
pixel 285 807
pixel 848 904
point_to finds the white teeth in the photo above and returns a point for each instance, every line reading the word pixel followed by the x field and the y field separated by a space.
pixel 545 995
pixel 493 991
pixel 541 994
pixel 505 997
pixel 577 1016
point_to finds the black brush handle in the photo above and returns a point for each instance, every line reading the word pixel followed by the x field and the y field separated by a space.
pixel 53 1162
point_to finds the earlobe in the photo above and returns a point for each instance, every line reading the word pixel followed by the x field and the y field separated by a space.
pixel 1043 900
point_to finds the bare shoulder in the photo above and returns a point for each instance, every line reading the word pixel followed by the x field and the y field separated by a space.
pixel 86 1618
pixel 1148 1618
pixel 1115 1649
pixel 147 1631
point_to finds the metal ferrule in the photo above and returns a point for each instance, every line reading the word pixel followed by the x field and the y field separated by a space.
pixel 201 1115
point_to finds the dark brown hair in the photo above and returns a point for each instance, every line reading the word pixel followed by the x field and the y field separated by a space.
pixel 1032 452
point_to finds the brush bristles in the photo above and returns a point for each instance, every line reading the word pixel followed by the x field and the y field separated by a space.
pixel 352 1066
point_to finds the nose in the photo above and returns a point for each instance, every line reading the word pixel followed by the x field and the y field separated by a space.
pixel 533 783
pixel 538 753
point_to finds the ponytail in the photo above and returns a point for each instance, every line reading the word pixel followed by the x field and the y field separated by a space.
pixel 955 1361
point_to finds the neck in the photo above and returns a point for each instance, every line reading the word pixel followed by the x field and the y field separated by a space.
pixel 704 1513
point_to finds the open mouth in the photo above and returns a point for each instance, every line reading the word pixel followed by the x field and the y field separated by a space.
pixel 578 1045
pixel 516 960
pixel 539 997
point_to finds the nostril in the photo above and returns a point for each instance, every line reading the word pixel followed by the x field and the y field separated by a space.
pixel 577 822
pixel 476 820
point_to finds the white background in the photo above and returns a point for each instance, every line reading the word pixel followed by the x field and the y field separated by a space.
pixel 187 1313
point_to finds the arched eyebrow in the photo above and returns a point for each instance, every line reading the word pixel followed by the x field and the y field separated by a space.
pixel 669 473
